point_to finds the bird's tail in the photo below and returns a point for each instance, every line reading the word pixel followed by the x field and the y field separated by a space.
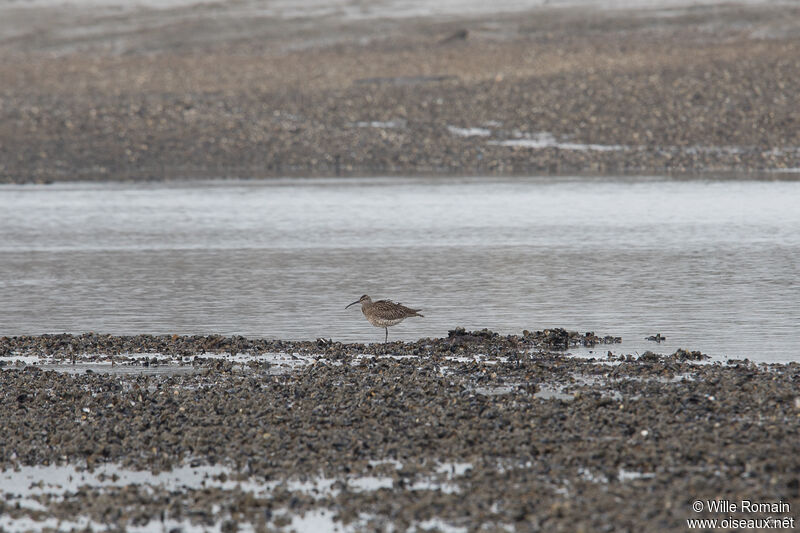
pixel 417 313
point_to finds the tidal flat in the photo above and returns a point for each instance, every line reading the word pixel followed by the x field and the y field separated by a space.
pixel 458 432
pixel 223 91
pixel 471 432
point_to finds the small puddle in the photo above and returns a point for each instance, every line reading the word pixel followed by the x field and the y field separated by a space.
pixel 551 393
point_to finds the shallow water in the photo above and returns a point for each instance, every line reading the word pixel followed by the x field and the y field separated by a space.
pixel 711 265
pixel 25 485
pixel 354 9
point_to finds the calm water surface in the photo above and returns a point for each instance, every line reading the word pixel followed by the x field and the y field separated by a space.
pixel 712 265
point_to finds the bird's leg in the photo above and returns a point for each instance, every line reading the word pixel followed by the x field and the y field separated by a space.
pixel 386 339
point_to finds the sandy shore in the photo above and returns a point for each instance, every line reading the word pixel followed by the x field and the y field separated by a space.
pixel 473 432
pixel 133 95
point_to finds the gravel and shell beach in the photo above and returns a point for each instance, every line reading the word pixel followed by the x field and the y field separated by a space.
pixel 473 431
pixel 199 91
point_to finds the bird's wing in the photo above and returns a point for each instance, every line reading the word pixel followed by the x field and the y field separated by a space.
pixel 391 310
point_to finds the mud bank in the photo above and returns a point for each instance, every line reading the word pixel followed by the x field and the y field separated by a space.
pixel 476 432
pixel 205 93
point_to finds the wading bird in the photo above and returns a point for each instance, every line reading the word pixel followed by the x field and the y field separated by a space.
pixel 384 313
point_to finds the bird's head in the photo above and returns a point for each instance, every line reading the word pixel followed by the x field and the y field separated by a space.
pixel 363 300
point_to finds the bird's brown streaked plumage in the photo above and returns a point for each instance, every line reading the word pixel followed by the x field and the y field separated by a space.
pixel 384 313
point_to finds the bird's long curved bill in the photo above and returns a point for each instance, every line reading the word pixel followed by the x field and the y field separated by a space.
pixel 354 303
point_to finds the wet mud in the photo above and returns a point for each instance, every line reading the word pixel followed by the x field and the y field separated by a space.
pixel 710 89
pixel 475 431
